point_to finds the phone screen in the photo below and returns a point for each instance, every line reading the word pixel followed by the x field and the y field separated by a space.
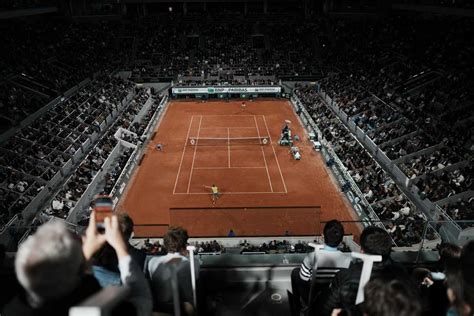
pixel 103 207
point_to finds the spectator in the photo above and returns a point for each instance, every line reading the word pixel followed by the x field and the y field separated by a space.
pixel 50 267
pixel 343 290
pixel 126 226
pixel 447 252
pixel 460 281
pixel 432 284
pixel 105 264
pixel 209 247
pixel 390 297
pixel 158 271
pixel 328 257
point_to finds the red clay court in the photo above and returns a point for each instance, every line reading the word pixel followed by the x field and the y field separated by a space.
pixel 264 190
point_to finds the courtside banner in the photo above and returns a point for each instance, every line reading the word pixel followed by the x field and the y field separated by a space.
pixel 228 89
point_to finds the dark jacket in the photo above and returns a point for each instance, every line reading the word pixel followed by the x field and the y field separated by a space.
pixel 58 307
pixel 138 255
pixel 343 290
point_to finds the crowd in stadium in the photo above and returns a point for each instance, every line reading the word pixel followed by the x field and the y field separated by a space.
pixel 17 103
pixel 420 289
pixel 77 184
pixel 34 155
pixel 438 159
pixel 401 218
pixel 22 4
pixel 443 289
pixel 208 247
pixel 232 82
pixel 375 92
pixel 275 246
pixel 207 52
pixel 384 79
pixel 213 247
pixel 405 114
pixel 61 55
pixel 43 148
pixel 410 94
pixel 461 210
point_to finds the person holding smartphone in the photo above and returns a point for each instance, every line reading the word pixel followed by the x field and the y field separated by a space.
pixel 52 266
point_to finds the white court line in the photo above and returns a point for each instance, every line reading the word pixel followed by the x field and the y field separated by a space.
pixel 232 127
pixel 263 154
pixel 225 115
pixel 212 168
pixel 182 156
pixel 278 164
pixel 231 193
pixel 194 156
pixel 228 145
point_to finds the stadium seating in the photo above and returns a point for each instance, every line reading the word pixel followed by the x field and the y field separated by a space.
pixel 95 163
pixel 43 149
pixel 399 215
pixel 374 85
pixel 410 95
pixel 405 107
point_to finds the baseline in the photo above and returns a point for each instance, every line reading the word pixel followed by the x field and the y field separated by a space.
pixel 224 193
pixel 213 168
pixel 231 127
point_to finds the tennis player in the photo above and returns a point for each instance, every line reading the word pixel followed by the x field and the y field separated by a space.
pixel 215 194
pixel 159 147
pixel 242 106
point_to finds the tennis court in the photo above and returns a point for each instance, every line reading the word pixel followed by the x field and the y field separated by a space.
pixel 235 152
pixel 264 190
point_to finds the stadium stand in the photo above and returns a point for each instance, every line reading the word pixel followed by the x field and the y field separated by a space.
pixel 99 162
pixel 411 107
pixel 75 121
pixel 55 139
pixel 400 216
pixel 204 63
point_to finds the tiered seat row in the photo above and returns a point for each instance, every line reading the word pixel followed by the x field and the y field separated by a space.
pixel 400 217
pixel 100 161
pixel 40 151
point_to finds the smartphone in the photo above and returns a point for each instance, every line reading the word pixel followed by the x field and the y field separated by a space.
pixel 103 206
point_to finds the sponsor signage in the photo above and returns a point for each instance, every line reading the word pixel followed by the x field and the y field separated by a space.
pixel 228 89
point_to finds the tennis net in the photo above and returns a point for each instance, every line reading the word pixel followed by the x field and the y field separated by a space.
pixel 225 141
